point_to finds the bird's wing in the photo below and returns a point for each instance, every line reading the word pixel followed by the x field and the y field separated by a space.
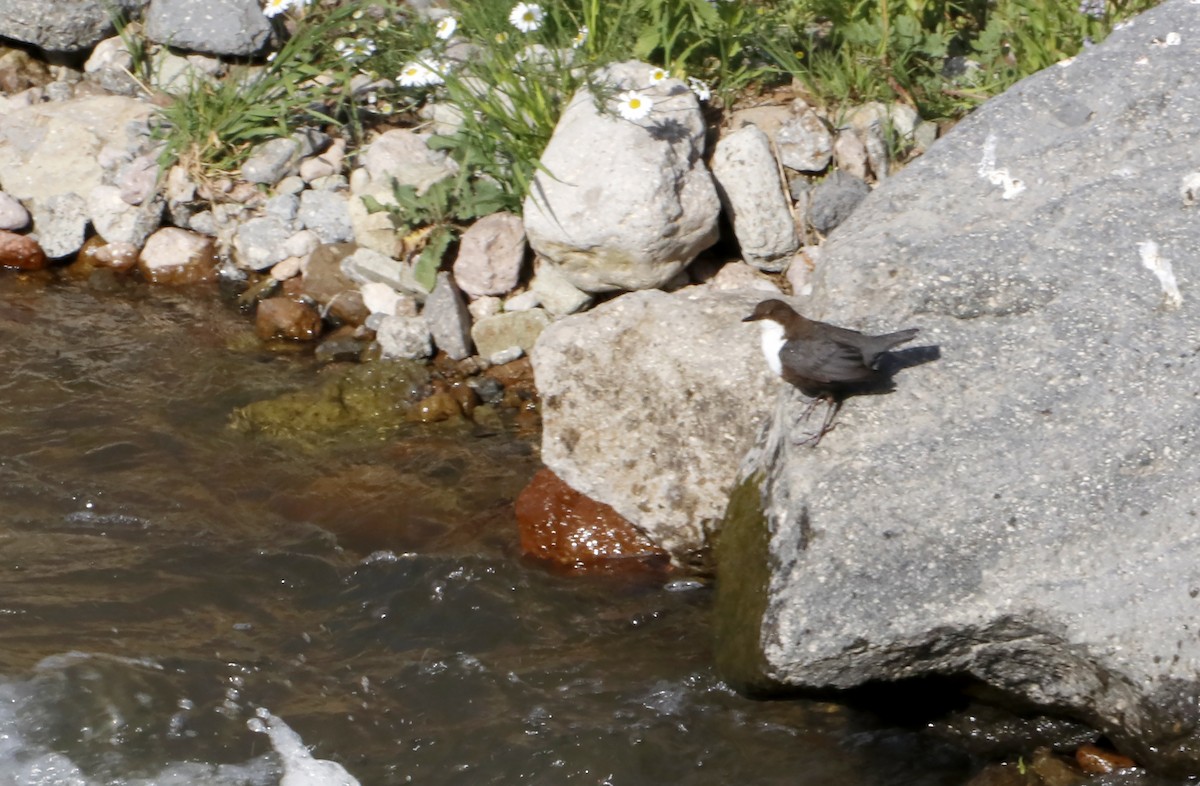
pixel 825 361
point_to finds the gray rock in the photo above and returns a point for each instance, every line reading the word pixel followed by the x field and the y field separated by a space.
pixel 403 156
pixel 624 204
pixel 272 161
pixel 485 306
pixel 137 179
pixel 366 265
pixel 1023 510
pixel 117 221
pixel 259 243
pixel 60 222
pixel 64 25
pixel 555 293
pixel 851 154
pixel 834 199
pixel 871 123
pixel 404 338
pixel 804 141
pixel 496 334
pixel 49 149
pixel 649 401
pixel 302 243
pixel 748 181
pixel 13 215
pixel 180 74
pixel 491 254
pixel 218 27
pixel 522 301
pixel 327 214
pixel 448 319
pixel 284 208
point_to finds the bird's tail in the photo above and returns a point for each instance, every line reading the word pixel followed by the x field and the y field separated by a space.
pixel 881 344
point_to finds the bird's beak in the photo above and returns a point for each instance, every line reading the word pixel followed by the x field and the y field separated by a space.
pixel 749 318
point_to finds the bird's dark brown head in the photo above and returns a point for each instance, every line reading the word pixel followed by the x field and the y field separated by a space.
pixel 772 309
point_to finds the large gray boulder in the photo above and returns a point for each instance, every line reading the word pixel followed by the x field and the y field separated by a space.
pixel 624 204
pixel 70 26
pixel 748 178
pixel 648 403
pixel 235 28
pixel 1026 509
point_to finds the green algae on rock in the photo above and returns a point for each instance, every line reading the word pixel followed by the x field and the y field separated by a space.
pixel 371 396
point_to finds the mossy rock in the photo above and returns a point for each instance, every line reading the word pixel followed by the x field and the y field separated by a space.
pixel 369 396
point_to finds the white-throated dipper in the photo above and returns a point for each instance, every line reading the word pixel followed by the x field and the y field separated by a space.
pixel 826 362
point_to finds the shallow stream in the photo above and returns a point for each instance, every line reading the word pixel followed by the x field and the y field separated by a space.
pixel 162 577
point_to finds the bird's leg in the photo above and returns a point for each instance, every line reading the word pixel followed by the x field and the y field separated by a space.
pixel 835 405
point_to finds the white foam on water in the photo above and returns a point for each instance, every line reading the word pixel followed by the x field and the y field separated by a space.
pixel 26 762
pixel 299 766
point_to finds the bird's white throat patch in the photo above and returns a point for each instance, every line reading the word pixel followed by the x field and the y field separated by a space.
pixel 772 341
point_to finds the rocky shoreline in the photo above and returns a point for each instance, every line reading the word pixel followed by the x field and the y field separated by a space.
pixel 1020 512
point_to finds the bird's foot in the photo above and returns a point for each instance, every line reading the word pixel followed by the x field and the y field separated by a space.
pixel 814 439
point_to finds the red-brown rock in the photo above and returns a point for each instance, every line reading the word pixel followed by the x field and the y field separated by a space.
pixel 21 252
pixel 284 318
pixel 1096 760
pixel 565 527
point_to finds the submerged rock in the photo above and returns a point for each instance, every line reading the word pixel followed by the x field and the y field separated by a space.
pixel 370 396
pixel 21 252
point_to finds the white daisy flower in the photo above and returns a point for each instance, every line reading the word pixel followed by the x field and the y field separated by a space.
pixel 416 74
pixel 657 75
pixel 446 27
pixel 356 50
pixel 700 88
pixel 580 38
pixel 527 17
pixel 276 7
pixel 633 105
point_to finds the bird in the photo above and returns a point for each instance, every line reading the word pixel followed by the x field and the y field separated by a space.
pixel 826 362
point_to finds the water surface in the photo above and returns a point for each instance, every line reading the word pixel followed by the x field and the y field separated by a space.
pixel 162 576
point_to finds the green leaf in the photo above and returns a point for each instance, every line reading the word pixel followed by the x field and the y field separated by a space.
pixel 426 269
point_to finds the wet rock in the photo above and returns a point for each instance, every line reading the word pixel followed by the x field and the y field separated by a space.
pixel 406 338
pixel 259 243
pixel 64 26
pixel 21 252
pixel 118 256
pixel 562 526
pixel 491 254
pixel 13 215
pixel 804 141
pixel 327 214
pixel 511 329
pixel 287 319
pixel 435 408
pixel 325 283
pixel 1096 761
pixel 271 161
pixel 555 293
pixel 219 27
pixel 60 222
pixel 448 319
pixel 118 221
pixel 370 396
pixel 648 403
pixel 834 199
pixel 599 218
pixel 747 176
pixel 177 256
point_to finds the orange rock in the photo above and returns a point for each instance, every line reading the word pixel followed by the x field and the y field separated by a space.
pixel 565 527
pixel 21 252
pixel 284 318
pixel 1097 761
